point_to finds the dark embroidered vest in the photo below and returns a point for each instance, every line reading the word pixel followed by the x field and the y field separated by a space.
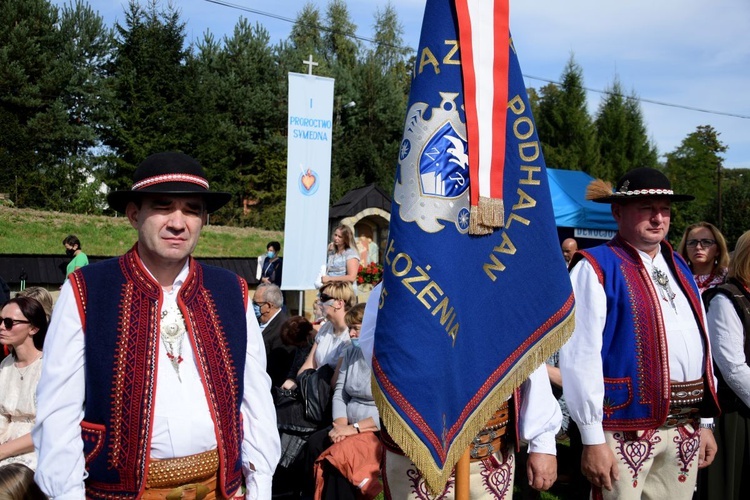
pixel 634 350
pixel 120 305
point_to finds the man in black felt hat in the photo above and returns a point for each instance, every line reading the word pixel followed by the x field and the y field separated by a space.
pixel 154 382
pixel 637 372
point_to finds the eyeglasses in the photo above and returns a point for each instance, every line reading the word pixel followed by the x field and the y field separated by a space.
pixel 259 304
pixel 325 297
pixel 706 243
pixel 9 323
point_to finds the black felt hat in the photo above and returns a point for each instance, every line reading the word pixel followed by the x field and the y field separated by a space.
pixel 169 173
pixel 638 183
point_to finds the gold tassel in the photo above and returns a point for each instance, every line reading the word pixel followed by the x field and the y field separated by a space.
pixel 418 453
pixel 475 227
pixel 598 189
pixel 491 212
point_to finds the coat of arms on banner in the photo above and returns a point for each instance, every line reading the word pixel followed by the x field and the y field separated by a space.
pixel 435 159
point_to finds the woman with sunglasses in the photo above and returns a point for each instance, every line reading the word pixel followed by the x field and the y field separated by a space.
pixel 23 325
pixel 705 250
pixel 336 298
pixel 354 414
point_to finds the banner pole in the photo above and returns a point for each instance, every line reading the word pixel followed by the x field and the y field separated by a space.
pixel 462 476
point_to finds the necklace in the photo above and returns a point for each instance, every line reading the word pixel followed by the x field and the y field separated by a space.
pixel 172 334
pixel 665 290
pixel 704 280
pixel 26 369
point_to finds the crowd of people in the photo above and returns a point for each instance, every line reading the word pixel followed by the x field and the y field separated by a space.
pixel 159 377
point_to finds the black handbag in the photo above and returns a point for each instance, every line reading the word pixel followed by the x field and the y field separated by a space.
pixel 315 387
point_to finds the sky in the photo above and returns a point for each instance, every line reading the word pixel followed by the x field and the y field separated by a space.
pixel 683 53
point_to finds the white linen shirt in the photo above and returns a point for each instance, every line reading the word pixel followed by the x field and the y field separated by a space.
pixel 182 420
pixel 728 346
pixel 539 416
pixel 581 357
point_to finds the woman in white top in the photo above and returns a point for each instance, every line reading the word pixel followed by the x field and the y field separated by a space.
pixel 730 346
pixel 23 325
pixel 343 259
pixel 335 298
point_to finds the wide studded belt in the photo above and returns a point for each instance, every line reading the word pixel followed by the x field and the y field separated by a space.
pixel 182 471
pixel 684 403
pixel 492 437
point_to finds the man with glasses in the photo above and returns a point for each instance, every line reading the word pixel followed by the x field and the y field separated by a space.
pixel 154 383
pixel 268 303
pixel 637 371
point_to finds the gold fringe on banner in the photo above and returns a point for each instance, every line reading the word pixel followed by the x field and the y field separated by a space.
pixel 475 227
pixel 491 212
pixel 418 453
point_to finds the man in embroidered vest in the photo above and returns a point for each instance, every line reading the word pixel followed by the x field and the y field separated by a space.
pixel 637 372
pixel 156 383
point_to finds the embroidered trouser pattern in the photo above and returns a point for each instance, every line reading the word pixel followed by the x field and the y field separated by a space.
pixel 490 478
pixel 653 464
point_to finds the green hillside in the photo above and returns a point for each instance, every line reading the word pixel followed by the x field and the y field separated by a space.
pixel 38 232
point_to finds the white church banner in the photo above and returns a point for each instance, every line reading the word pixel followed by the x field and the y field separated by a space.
pixel 308 179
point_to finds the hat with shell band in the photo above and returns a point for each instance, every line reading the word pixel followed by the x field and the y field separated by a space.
pixel 638 183
pixel 169 173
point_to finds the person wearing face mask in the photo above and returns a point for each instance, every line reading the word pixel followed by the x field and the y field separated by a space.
pixel 271 264
pixel 73 250
pixel 267 305
pixel 346 454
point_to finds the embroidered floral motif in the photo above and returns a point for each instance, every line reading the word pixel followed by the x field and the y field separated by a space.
pixel 635 450
pixel 688 444
pixel 497 477
pixel 419 487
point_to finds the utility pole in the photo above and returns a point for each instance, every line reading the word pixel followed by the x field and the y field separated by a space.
pixel 718 192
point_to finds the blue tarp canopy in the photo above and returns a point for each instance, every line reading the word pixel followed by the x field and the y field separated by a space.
pixel 572 209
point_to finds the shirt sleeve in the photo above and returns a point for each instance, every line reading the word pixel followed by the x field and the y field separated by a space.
pixel 581 357
pixel 340 397
pixel 728 345
pixel 60 396
pixel 540 416
pixel 261 448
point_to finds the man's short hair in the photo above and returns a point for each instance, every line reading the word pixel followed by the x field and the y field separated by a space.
pixel 275 245
pixel 72 240
pixel 272 294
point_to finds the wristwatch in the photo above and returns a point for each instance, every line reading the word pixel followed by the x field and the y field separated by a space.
pixel 710 426
pixel 356 426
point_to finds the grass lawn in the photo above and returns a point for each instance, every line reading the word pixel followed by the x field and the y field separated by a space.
pixel 27 231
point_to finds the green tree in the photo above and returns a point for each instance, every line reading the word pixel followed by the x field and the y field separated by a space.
pixel 564 124
pixel 735 204
pixel 623 141
pixel 52 99
pixel 693 168
pixel 340 45
pixel 148 72
pixel 306 33
pixel 367 137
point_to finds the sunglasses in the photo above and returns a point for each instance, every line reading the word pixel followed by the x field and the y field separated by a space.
pixel 9 323
pixel 703 243
pixel 325 298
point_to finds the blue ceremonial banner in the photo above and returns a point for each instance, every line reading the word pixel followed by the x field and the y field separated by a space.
pixel 464 319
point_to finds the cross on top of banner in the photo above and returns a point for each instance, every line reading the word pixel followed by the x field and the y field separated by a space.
pixel 310 63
